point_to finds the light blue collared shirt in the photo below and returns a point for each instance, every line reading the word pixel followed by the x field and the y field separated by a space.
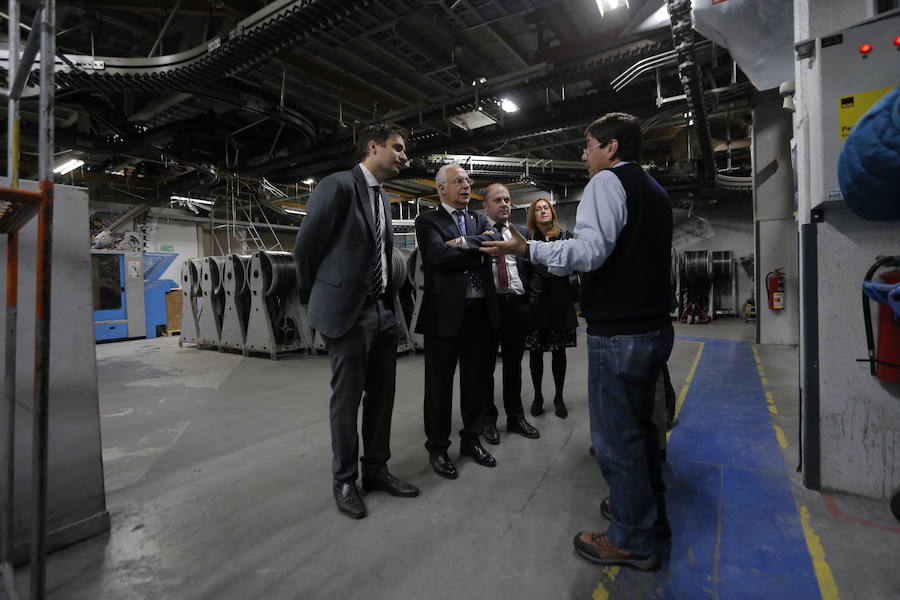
pixel 602 214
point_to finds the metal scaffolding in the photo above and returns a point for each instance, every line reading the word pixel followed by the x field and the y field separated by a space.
pixel 17 207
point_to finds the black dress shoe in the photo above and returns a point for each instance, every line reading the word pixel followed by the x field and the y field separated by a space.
pixel 478 454
pixel 385 482
pixel 442 465
pixel 348 501
pixel 523 428
pixel 491 435
pixel 661 527
pixel 560 407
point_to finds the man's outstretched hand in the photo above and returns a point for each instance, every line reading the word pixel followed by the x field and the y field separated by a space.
pixel 515 245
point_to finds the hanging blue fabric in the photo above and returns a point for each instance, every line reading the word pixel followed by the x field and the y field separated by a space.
pixel 884 293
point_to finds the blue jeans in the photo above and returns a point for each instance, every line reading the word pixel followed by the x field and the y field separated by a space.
pixel 622 372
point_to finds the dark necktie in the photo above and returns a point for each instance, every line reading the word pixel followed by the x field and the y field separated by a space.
pixel 473 277
pixel 376 285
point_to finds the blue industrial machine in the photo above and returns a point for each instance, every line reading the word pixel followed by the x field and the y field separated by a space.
pixel 129 296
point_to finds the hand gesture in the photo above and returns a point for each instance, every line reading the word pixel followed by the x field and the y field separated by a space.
pixel 515 245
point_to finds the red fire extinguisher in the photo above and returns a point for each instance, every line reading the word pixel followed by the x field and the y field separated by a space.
pixel 775 289
pixel 885 361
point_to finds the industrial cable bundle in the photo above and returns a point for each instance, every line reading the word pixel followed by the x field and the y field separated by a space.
pixel 279 271
pixel 695 275
pixel 236 280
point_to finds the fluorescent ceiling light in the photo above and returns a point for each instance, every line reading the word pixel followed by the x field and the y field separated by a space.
pixel 294 211
pixel 508 105
pixel 196 200
pixel 68 166
pixel 308 181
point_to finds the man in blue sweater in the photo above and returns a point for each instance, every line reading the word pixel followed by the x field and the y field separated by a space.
pixel 624 243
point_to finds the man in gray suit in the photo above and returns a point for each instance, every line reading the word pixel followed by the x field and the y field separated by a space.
pixel 343 255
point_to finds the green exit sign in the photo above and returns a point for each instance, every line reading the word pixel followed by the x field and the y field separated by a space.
pixel 167 248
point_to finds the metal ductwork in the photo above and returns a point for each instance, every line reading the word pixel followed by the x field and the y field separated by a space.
pixel 263 34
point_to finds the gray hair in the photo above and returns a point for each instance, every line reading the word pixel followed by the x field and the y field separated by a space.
pixel 441 177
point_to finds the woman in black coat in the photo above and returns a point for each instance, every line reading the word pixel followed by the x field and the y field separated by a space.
pixel 553 311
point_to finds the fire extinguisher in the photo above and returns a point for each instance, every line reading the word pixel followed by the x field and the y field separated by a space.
pixel 775 289
pixel 885 362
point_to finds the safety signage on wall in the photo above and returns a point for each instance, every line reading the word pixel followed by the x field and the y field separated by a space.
pixel 852 108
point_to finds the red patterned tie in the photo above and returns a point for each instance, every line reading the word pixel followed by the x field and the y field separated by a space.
pixel 502 273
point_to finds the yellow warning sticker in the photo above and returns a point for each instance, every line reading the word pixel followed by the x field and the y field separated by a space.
pixel 852 108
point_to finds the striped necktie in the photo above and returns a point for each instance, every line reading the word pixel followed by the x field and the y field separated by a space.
pixel 376 284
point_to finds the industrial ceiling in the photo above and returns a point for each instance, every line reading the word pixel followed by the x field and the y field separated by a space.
pixel 202 98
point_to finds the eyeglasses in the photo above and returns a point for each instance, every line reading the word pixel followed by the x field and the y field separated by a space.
pixel 587 149
pixel 461 180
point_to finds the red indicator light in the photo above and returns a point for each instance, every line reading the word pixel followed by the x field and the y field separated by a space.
pixel 897 41
pixel 865 48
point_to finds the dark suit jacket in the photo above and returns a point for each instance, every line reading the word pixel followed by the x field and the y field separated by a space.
pixel 553 299
pixel 444 299
pixel 335 251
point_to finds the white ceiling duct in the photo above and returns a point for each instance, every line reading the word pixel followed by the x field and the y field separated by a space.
pixel 759 34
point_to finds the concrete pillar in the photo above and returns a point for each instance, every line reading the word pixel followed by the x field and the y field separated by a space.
pixel 775 228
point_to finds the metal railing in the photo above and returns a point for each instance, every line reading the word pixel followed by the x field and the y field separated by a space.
pixel 17 208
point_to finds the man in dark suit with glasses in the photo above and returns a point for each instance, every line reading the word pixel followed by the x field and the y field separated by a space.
pixel 458 309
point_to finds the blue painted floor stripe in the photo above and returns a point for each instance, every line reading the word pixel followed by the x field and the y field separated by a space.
pixel 737 531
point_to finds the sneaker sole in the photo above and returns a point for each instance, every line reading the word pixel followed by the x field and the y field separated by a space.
pixel 646 564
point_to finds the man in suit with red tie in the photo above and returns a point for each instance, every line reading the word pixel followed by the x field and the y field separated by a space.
pixel 512 280
pixel 457 312
pixel 343 256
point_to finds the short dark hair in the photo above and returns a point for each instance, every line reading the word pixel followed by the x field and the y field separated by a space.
pixel 622 127
pixel 379 133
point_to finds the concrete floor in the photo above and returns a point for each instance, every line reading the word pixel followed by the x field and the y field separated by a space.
pixel 218 479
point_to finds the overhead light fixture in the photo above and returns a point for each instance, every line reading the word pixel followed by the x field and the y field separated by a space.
pixel 194 200
pixel 294 211
pixel 308 181
pixel 472 120
pixel 605 5
pixel 482 79
pixel 508 105
pixel 68 166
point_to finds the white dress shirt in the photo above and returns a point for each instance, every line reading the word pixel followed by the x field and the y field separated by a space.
pixel 512 266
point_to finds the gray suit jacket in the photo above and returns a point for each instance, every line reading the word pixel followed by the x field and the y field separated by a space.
pixel 335 251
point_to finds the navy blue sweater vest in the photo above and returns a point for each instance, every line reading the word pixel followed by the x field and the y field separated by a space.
pixel 631 293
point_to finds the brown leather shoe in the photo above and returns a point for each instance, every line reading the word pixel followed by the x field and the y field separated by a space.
pixel 598 548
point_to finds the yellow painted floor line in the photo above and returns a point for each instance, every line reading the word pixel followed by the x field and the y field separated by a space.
pixel 682 394
pixel 609 576
pixel 827 585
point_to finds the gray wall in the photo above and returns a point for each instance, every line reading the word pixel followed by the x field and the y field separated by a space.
pixel 77 501
pixel 859 417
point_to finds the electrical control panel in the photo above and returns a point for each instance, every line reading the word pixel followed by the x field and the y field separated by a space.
pixel 857 66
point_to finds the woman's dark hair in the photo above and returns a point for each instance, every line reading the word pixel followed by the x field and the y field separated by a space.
pixel 622 127
pixel 379 133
